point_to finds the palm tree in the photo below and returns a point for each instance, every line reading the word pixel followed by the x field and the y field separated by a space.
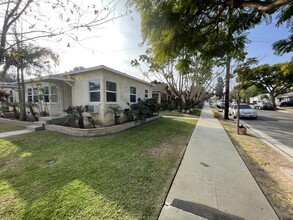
pixel 76 114
pixel 115 110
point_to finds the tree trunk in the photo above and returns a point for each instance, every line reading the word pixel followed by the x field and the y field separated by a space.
pixel 273 100
pixel 227 89
pixel 22 98
pixel 19 94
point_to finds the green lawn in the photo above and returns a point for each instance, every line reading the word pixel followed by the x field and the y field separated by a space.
pixel 9 127
pixel 49 175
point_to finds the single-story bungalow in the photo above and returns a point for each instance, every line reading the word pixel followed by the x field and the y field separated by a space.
pixel 96 88
pixel 284 97
pixel 160 94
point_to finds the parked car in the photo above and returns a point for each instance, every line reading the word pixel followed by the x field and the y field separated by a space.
pixel 220 105
pixel 264 105
pixel 287 103
pixel 245 111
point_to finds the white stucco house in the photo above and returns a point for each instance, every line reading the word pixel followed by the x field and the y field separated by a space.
pixel 97 88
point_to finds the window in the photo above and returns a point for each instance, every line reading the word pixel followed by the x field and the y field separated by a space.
pixel 111 91
pixel 54 94
pixel 94 89
pixel 35 94
pixel 29 95
pixel 45 94
pixel 146 93
pixel 132 94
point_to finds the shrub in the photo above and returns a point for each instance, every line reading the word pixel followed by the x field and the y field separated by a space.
pixel 75 114
pixel 115 110
pixel 141 110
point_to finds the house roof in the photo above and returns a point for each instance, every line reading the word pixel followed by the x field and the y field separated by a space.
pixel 102 67
pixel 12 85
pixel 285 95
pixel 160 87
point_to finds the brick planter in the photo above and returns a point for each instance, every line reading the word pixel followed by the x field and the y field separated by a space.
pixel 94 132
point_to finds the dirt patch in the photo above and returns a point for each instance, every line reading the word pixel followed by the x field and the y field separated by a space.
pixel 265 164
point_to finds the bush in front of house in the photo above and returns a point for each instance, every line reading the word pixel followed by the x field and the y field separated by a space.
pixel 75 116
pixel 142 109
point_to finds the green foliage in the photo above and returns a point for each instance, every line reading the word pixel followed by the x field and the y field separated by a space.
pixel 142 110
pixel 177 28
pixel 75 115
pixel 219 87
pixel 274 79
pixel 115 110
pixel 212 28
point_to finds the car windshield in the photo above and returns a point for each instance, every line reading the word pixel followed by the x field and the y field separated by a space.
pixel 245 107
pixel 242 106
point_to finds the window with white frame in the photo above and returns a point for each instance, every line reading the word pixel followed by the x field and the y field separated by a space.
pixel 35 94
pixel 45 93
pixel 94 90
pixel 146 93
pixel 132 94
pixel 111 91
pixel 29 95
pixel 54 94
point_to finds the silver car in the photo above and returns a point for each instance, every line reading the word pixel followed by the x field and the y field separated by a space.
pixel 245 111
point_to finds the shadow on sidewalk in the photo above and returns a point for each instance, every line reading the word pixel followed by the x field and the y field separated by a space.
pixel 203 210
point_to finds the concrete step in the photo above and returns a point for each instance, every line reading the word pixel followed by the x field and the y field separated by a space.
pixel 35 127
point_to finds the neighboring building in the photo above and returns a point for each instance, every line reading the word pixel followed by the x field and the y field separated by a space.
pixel 284 97
pixel 97 88
pixel 160 94
pixel 256 99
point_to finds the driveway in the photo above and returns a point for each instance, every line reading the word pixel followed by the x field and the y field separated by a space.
pixel 277 125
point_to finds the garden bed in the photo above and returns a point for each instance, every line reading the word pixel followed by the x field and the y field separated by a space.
pixel 94 132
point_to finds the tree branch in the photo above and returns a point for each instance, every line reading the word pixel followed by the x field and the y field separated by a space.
pixel 264 6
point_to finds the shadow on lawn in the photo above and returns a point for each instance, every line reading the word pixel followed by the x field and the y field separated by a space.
pixel 51 175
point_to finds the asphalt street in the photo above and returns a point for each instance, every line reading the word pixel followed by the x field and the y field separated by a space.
pixel 277 125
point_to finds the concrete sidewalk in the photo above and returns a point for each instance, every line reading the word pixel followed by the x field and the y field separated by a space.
pixel 212 181
pixel 12 133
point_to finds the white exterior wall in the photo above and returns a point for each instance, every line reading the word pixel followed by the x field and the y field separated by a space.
pixel 81 95
pixel 54 108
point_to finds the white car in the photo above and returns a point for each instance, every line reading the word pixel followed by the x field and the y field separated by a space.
pixel 245 111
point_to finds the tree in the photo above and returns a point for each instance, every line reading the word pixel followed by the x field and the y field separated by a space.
pixel 188 80
pixel 26 57
pixel 51 19
pixel 274 79
pixel 219 87
pixel 242 71
pixel 210 29
pixel 170 26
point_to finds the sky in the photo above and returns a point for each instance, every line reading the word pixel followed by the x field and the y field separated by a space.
pixel 117 43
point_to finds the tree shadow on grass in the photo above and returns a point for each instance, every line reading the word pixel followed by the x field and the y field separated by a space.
pixel 52 175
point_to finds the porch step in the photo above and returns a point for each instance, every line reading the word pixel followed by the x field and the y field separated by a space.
pixel 36 127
